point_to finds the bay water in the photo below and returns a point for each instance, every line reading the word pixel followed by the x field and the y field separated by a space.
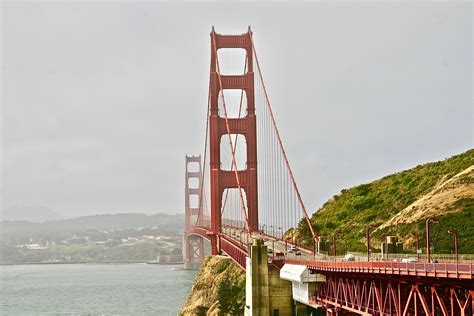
pixel 93 289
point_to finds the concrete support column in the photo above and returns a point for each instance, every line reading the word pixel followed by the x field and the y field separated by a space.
pixel 256 288
pixel 265 293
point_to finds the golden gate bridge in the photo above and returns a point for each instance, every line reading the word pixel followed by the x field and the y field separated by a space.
pixel 233 198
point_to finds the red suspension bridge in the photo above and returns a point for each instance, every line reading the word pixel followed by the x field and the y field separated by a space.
pixel 233 197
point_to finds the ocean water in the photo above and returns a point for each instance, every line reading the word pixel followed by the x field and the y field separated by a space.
pixel 93 289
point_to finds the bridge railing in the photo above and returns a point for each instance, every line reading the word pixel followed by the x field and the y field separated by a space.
pixel 235 251
pixel 448 270
pixel 399 257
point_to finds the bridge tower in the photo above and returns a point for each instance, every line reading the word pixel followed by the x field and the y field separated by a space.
pixel 194 245
pixel 246 126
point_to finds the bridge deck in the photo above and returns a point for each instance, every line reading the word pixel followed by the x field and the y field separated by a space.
pixel 237 250
pixel 417 269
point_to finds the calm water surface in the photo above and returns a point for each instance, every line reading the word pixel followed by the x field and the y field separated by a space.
pixel 130 289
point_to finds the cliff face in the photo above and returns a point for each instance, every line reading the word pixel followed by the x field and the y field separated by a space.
pixel 219 289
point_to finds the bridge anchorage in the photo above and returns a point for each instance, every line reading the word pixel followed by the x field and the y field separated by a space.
pixel 255 206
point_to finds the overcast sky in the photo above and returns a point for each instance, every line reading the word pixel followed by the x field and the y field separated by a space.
pixel 101 101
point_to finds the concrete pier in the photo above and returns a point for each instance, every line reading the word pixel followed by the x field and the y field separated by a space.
pixel 266 293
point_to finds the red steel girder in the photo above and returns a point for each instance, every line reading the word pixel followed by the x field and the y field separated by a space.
pixel 379 296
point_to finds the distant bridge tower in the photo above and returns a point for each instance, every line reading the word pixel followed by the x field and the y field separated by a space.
pixel 246 126
pixel 193 244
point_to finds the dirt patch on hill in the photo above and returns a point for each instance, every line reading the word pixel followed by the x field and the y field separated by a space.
pixel 441 200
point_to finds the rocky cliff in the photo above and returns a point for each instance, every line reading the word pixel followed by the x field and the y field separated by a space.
pixel 219 289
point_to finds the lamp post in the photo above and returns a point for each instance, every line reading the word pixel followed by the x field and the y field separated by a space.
pixel 337 232
pixel 431 220
pixel 295 242
pixel 315 240
pixel 281 232
pixel 417 237
pixel 273 248
pixel 454 232
pixel 384 246
pixel 367 236
pixel 272 229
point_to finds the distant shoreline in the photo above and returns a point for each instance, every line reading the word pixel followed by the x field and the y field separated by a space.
pixel 77 262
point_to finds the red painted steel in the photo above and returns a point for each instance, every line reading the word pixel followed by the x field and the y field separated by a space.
pixel 414 269
pixel 219 126
pixel 193 214
pixel 237 251
pixel 370 296
pixel 367 288
pixel 379 288
pixel 234 250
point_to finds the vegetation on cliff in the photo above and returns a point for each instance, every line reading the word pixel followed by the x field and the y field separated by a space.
pixel 403 201
pixel 219 289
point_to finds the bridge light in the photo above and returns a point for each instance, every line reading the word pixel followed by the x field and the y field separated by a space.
pixel 430 220
pixel 454 232
pixel 367 236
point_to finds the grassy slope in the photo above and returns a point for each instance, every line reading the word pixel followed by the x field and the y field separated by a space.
pixel 376 202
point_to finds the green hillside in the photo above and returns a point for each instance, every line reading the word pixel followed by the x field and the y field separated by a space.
pixel 376 202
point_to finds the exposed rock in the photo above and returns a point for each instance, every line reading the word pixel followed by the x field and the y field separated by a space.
pixel 216 273
pixel 440 200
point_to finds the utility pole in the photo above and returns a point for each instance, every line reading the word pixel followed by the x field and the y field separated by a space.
pixel 431 220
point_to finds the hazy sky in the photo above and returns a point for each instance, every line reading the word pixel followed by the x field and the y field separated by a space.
pixel 101 101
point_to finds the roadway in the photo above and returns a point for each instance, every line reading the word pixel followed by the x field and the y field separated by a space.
pixel 276 245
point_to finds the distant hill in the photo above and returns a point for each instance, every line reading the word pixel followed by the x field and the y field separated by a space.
pixel 399 204
pixel 165 224
pixel 35 214
pixel 99 238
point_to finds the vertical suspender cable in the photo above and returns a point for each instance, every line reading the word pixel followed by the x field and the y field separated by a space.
pixel 308 221
pixel 205 155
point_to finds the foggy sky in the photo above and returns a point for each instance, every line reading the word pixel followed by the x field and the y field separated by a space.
pixel 101 101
